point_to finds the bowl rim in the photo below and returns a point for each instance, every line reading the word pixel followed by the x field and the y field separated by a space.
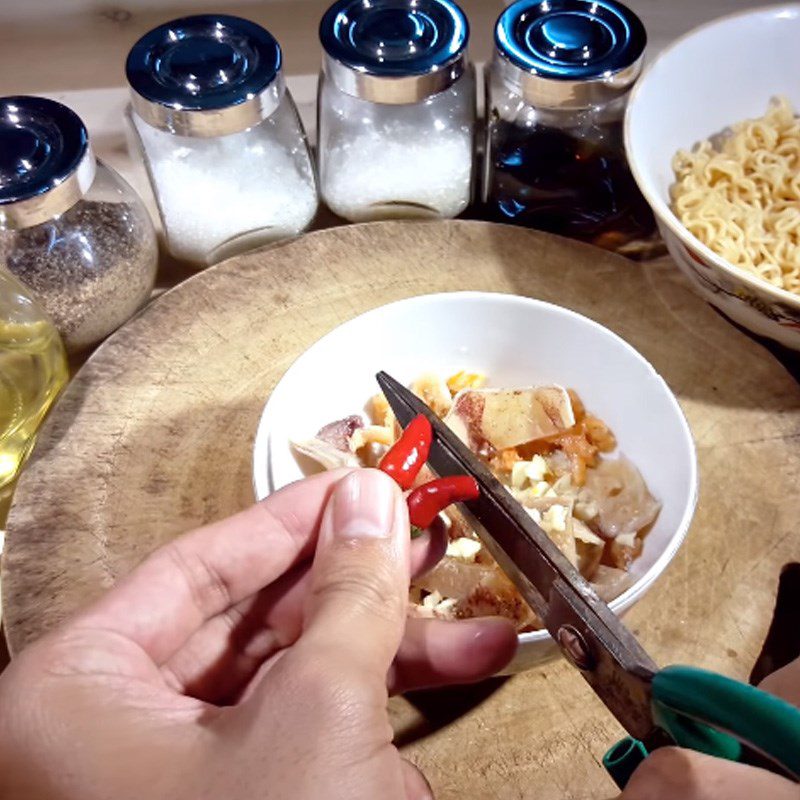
pixel 662 209
pixel 262 444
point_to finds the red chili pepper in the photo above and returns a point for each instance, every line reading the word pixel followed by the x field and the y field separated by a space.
pixel 405 458
pixel 425 502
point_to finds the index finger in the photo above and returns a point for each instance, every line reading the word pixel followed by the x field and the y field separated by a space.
pixel 162 602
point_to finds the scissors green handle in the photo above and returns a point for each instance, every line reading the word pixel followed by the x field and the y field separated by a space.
pixel 713 714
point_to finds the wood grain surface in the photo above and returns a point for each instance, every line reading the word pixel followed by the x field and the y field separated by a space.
pixel 154 436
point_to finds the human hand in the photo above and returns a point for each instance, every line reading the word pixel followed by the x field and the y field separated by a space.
pixel 671 773
pixel 229 665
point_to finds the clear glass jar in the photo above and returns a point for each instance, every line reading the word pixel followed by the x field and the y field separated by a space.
pixel 556 92
pixel 71 229
pixel 224 147
pixel 33 370
pixel 396 110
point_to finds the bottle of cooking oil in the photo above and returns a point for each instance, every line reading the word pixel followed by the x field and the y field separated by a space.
pixel 33 370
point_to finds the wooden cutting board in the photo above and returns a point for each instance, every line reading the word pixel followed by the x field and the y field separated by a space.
pixel 154 436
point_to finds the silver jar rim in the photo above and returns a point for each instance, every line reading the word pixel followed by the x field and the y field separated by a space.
pixel 209 123
pixel 58 199
pixel 393 90
pixel 546 92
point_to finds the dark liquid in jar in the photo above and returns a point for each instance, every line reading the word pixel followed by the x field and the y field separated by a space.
pixel 579 186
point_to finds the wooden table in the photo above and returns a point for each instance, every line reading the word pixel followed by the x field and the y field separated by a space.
pixel 538 734
pixel 60 45
pixel 154 435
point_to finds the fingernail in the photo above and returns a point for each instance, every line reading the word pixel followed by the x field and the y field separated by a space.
pixel 364 505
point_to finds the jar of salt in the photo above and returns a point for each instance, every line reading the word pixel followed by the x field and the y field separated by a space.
pixel 223 144
pixel 71 229
pixel 396 109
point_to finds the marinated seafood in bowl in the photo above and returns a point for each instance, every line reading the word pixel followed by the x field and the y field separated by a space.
pixel 554 457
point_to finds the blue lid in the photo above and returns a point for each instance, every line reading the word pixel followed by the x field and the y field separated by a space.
pixel 205 62
pixel 570 39
pixel 393 38
pixel 41 144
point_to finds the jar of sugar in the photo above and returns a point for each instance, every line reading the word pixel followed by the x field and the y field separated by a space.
pixel 396 110
pixel 223 144
pixel 71 229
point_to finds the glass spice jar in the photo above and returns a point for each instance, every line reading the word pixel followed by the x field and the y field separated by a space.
pixel 396 109
pixel 33 370
pixel 556 92
pixel 71 229
pixel 223 144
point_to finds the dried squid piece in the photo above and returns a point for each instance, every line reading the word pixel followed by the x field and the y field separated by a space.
pixel 371 442
pixel 330 448
pixel 503 418
pixel 456 578
pixel 479 590
pixel 620 496
pixel 340 432
pixel 610 583
pixel 325 454
pixel 371 434
pixel 433 391
pixel 624 550
pixel 589 547
pixel 380 410
pixel 499 599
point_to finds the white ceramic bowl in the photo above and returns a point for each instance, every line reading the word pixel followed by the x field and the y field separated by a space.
pixel 516 342
pixel 718 74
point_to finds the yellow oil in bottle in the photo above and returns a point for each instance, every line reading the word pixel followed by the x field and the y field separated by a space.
pixel 33 370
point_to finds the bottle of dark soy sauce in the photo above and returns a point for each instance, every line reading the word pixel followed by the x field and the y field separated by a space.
pixel 555 100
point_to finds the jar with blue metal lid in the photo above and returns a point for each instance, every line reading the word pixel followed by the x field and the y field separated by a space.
pixel 224 147
pixel 71 229
pixel 396 109
pixel 556 92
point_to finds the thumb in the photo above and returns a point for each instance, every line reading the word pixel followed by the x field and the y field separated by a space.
pixel 360 575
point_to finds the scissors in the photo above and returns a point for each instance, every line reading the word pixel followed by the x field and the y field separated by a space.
pixel 675 705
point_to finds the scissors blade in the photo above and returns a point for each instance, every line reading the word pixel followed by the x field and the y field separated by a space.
pixel 587 631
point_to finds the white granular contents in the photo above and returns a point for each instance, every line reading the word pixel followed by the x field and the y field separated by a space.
pixel 380 160
pixel 374 171
pixel 219 196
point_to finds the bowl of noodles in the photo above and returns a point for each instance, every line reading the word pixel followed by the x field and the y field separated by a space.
pixel 575 423
pixel 713 139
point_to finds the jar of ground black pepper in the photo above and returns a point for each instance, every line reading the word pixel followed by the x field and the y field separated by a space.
pixel 556 92
pixel 71 229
